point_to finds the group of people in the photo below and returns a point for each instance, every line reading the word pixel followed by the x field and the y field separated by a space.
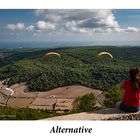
pixel 131 90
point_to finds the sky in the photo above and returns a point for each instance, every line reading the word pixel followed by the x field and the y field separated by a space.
pixel 102 25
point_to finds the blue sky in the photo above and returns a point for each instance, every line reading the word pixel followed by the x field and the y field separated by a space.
pixel 128 17
pixel 70 25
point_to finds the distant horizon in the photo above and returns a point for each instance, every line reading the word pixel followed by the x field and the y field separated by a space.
pixel 64 44
pixel 83 43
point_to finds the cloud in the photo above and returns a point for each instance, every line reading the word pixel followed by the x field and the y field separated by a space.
pixel 132 29
pixel 30 28
pixel 38 27
pixel 82 20
pixel 17 26
pixel 72 26
pixel 42 25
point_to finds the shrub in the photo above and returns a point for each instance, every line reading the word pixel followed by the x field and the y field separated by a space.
pixel 113 95
pixel 8 113
pixel 84 103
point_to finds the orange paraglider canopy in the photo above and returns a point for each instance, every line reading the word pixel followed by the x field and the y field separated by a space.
pixel 52 53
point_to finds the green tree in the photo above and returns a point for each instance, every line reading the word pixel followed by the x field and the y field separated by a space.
pixel 113 95
pixel 84 103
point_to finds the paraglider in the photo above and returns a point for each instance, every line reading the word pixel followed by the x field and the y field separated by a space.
pixel 52 53
pixel 105 53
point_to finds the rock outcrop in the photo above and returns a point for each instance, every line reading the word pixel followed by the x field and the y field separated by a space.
pixel 103 114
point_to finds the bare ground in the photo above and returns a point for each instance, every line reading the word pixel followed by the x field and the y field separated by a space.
pixel 62 97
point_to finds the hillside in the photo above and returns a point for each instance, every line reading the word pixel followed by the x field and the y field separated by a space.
pixel 77 66
pixel 40 83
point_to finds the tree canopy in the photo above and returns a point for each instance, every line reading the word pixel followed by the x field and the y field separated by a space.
pixel 78 65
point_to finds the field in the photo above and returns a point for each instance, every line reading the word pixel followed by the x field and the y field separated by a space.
pixel 63 97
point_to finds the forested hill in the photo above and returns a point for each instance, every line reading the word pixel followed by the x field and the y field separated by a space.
pixel 78 65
